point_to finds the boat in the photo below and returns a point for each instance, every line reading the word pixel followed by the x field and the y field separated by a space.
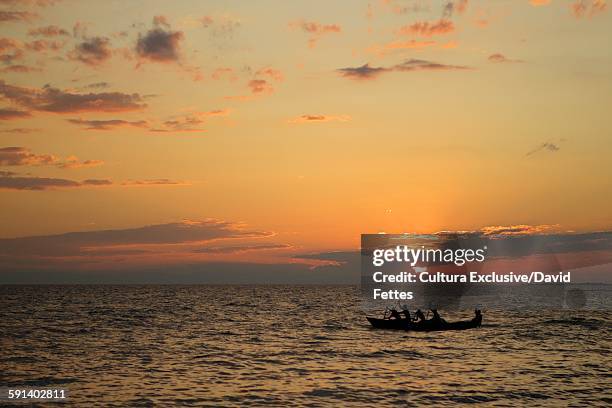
pixel 425 325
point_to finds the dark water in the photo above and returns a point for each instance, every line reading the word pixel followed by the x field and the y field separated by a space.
pixel 275 345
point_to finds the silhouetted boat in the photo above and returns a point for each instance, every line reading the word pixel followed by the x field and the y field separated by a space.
pixel 427 325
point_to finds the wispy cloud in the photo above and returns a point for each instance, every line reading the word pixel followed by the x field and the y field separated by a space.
pixel 12 181
pixel 263 81
pixel 427 28
pixel 399 45
pixel 362 72
pixel 188 122
pixel 48 31
pixel 17 16
pixel 49 99
pixel 9 114
pixel 22 131
pixel 539 3
pixel 454 6
pixel 20 69
pixel 501 58
pixel 519 229
pixel 588 8
pixel 22 156
pixel 315 30
pixel 155 182
pixel 320 118
pixel 30 3
pixel 367 72
pixel 195 232
pixel 73 162
pixel 545 147
pixel 108 124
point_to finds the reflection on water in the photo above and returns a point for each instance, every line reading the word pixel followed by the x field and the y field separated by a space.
pixel 224 345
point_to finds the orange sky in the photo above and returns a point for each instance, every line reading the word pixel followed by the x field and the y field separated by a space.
pixel 308 122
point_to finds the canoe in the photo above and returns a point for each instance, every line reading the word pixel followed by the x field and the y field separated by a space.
pixel 427 325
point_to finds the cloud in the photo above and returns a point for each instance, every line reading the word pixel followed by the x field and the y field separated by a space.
pixel 39 3
pixel 93 51
pixel 264 79
pixel 155 182
pixel 273 74
pixel 48 31
pixel 366 72
pixel 428 29
pixel 163 45
pixel 260 86
pixel 49 99
pixel 363 72
pixel 22 156
pixel 73 162
pixel 538 3
pixel 241 248
pixel 188 249
pixel 96 182
pixel 10 50
pixel 20 69
pixel 261 83
pixel 315 30
pixel 221 28
pixel 190 122
pixel 8 114
pixel 320 118
pixel 454 6
pixel 588 8
pixel 500 58
pixel 12 16
pixel 546 147
pixel 44 45
pixel 160 44
pixel 88 242
pixel 399 7
pixel 7 44
pixel 18 130
pixel 108 124
pixel 399 45
pixel 520 229
pixel 11 181
pixel 422 65
pixel 224 73
pixel 98 85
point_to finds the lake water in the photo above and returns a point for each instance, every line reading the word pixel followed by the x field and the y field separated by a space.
pixel 281 345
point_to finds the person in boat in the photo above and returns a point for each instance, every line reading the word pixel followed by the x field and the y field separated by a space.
pixel 477 317
pixel 395 314
pixel 406 314
pixel 436 317
pixel 419 316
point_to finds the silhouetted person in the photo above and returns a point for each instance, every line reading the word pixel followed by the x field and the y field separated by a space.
pixel 477 317
pixel 406 314
pixel 395 314
pixel 436 317
pixel 419 316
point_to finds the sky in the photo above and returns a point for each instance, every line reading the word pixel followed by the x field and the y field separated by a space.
pixel 246 135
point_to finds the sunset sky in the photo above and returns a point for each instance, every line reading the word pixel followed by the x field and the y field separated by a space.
pixel 260 131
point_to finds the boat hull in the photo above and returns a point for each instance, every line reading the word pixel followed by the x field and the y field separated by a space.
pixel 428 325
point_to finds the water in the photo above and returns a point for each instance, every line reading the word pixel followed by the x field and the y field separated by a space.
pixel 281 345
